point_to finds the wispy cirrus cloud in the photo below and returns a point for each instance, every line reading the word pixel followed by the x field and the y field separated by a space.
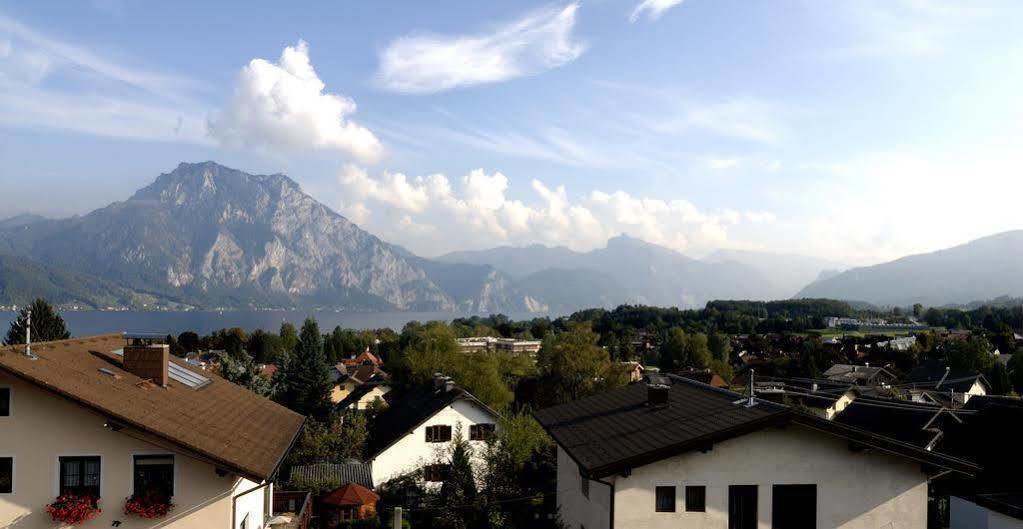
pixel 652 9
pixel 427 63
pixel 95 93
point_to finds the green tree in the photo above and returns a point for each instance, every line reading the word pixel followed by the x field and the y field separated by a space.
pixel 999 379
pixel 189 341
pixel 304 383
pixel 47 325
pixel 1016 371
pixel 458 494
pixel 341 436
pixel 175 348
pixel 722 369
pixel 673 350
pixel 697 354
pixel 574 366
pixel 918 310
pixel 242 370
pixel 720 346
pixel 289 338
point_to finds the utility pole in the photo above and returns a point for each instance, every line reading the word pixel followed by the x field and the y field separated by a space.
pixel 397 518
pixel 28 334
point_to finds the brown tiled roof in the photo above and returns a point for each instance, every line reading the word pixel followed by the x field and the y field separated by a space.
pixel 224 423
pixel 351 494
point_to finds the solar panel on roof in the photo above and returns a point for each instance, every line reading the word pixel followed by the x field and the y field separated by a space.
pixel 180 374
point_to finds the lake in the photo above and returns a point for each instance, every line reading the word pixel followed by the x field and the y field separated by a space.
pixel 85 323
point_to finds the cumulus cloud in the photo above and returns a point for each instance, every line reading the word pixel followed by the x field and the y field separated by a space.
pixel 424 212
pixel 426 63
pixel 653 9
pixel 283 106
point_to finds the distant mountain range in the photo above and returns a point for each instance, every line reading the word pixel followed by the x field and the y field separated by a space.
pixel 208 236
pixel 983 269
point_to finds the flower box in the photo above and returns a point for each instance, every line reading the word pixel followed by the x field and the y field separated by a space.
pixel 72 510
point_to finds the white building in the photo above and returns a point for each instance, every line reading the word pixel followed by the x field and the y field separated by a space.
pixel 987 511
pixel 416 431
pixel 94 417
pixel 688 455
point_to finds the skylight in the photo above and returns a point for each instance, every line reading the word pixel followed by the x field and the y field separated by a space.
pixel 180 374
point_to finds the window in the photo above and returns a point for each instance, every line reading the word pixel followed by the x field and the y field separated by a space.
pixel 742 507
pixel 794 507
pixel 481 432
pixel 6 475
pixel 154 476
pixel 438 434
pixel 5 402
pixel 438 472
pixel 665 499
pixel 696 499
pixel 80 476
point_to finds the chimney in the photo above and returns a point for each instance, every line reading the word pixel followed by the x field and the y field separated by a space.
pixel 148 362
pixel 449 384
pixel 28 335
pixel 657 395
pixel 438 380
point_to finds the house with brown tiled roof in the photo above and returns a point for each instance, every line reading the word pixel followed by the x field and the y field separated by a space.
pixel 115 420
pixel 359 381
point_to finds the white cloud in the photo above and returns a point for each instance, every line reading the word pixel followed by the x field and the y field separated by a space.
pixel 653 9
pixel 426 63
pixel 283 106
pixel 424 212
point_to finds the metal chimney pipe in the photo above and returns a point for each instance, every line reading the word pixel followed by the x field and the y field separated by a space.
pixel 28 334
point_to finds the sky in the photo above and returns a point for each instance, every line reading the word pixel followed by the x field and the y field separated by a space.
pixel 855 131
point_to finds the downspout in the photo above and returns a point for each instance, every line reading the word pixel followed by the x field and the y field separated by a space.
pixel 611 506
pixel 234 504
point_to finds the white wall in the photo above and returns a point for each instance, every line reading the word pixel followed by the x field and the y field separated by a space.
pixel 577 510
pixel 43 427
pixel 412 451
pixel 855 490
pixel 964 514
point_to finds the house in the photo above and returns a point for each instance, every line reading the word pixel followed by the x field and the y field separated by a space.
pixel 352 496
pixel 348 502
pixel 111 417
pixel 633 370
pixel 859 375
pixel 359 381
pixel 416 430
pixel 482 344
pixel 994 498
pixel 924 381
pixel 703 375
pixel 691 455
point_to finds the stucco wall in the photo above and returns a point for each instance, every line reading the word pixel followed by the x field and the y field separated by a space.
pixel 964 514
pixel 44 427
pixel 412 451
pixel 577 510
pixel 855 490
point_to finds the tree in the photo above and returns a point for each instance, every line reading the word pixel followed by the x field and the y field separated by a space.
pixel 458 494
pixel 289 338
pixel 189 341
pixel 175 348
pixel 47 325
pixel 242 370
pixel 572 365
pixel 673 350
pixel 697 354
pixel 1016 371
pixel 720 346
pixel 341 436
pixel 999 379
pixel 722 369
pixel 305 383
pixel 918 310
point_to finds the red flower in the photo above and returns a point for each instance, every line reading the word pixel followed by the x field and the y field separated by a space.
pixel 73 510
pixel 147 505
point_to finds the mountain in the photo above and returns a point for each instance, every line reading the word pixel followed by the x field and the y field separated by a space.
pixel 786 273
pixel 22 280
pixel 986 268
pixel 219 237
pixel 565 291
pixel 20 220
pixel 626 270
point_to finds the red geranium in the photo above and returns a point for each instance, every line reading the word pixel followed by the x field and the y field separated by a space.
pixel 147 505
pixel 72 510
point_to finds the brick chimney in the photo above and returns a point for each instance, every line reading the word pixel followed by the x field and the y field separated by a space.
pixel 148 362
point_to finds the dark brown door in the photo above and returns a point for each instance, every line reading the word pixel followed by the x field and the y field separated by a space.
pixel 742 507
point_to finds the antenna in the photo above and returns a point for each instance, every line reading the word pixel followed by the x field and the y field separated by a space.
pixel 28 335
pixel 751 400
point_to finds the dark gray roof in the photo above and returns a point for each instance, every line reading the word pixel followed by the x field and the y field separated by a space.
pixel 342 473
pixel 617 430
pixel 929 376
pixel 854 373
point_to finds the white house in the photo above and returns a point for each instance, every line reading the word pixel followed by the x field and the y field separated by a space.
pixel 101 418
pixel 688 455
pixel 987 511
pixel 416 431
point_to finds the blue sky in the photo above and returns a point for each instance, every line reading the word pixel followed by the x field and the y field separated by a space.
pixel 853 130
